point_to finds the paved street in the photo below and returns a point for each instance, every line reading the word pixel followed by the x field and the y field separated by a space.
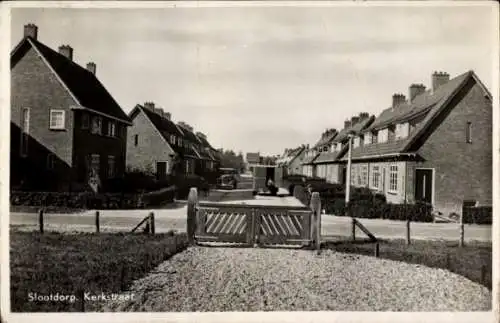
pixel 175 218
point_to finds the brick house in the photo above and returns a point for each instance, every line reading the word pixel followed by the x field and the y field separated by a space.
pixel 291 160
pixel 329 158
pixel 65 125
pixel 157 145
pixel 434 147
pixel 308 167
pixel 323 147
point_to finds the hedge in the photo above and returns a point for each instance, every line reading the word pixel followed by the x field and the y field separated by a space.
pixel 378 209
pixel 477 214
pixel 89 200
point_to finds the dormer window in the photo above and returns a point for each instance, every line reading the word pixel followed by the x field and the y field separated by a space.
pixel 172 139
pixel 368 138
pixel 402 130
pixel 383 135
pixel 374 137
pixel 355 142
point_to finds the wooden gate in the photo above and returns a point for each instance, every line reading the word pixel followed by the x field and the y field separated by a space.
pixel 250 224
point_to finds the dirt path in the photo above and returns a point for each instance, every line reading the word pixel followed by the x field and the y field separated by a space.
pixel 231 279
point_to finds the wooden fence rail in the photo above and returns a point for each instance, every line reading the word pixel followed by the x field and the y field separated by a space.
pixel 253 224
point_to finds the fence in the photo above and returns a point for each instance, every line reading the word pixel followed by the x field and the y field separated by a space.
pixel 253 225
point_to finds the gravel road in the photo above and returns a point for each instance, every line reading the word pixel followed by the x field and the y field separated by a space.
pixel 246 279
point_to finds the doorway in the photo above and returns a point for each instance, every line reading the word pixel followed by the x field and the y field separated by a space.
pixel 423 185
pixel 270 172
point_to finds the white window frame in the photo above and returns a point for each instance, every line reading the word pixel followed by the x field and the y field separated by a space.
pixel 393 178
pixel 368 139
pixel 25 130
pixel 375 183
pixel 99 130
pixel 364 175
pixel 94 157
pixel 111 170
pixel 383 135
pixel 52 119
pixel 112 129
pixel 172 139
pixel 355 143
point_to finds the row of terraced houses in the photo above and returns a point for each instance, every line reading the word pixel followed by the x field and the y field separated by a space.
pixel 66 127
pixel 434 145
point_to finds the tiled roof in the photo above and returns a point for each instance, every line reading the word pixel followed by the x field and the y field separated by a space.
pixel 358 127
pixel 166 128
pixel 189 135
pixel 309 159
pixel 427 103
pixel 326 139
pixel 326 157
pixel 83 84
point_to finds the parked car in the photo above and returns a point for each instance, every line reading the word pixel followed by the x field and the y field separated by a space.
pixel 227 181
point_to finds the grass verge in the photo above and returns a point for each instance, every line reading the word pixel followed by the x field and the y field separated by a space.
pixel 73 264
pixel 473 261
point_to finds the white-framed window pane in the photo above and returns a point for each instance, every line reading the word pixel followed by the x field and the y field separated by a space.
pixel 365 176
pixel 95 164
pixel 25 129
pixel 393 178
pixel 97 125
pixel 375 177
pixel 57 119
pixel 111 129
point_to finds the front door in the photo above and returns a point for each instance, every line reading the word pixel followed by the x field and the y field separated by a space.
pixel 161 170
pixel 423 185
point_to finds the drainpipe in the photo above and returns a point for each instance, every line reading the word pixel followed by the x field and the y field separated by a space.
pixel 348 186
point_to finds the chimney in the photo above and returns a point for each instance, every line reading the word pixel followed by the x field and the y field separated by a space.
pixel 438 79
pixel 397 99
pixel 158 111
pixel 363 116
pixel 347 124
pixel 354 120
pixel 150 106
pixel 31 30
pixel 415 89
pixel 91 67
pixel 167 115
pixel 67 51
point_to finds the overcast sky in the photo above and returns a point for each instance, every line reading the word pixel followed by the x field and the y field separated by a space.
pixel 264 79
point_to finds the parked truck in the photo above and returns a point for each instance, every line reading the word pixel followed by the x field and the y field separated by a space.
pixel 262 174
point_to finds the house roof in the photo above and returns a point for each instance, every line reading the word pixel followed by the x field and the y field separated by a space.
pixel 166 128
pixel 326 157
pixel 290 155
pixel 326 138
pixel 428 104
pixel 82 84
pixel 309 159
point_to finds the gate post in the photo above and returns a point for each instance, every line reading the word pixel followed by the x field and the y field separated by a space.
pixel 191 214
pixel 316 219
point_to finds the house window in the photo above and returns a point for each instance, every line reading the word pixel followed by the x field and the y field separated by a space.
pixel 364 175
pixel 368 138
pixel 111 166
pixel 179 142
pixel 402 130
pixel 172 139
pixel 383 135
pixel 25 129
pixel 95 164
pixel 96 125
pixel 136 140
pixel 85 121
pixel 468 133
pixel 353 175
pixel 393 178
pixel 355 142
pixel 376 177
pixel 111 129
pixel 50 161
pixel 188 167
pixel 57 119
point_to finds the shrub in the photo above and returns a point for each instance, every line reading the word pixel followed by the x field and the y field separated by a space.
pixel 136 181
pixel 477 214
pixel 185 182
